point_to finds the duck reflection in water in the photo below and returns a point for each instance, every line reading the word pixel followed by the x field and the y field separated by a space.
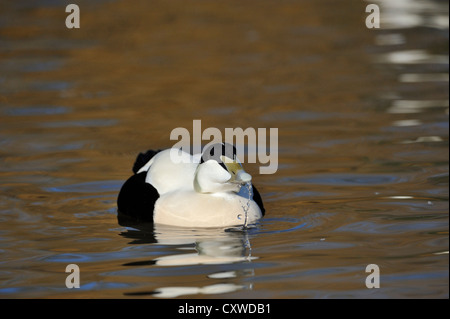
pixel 201 246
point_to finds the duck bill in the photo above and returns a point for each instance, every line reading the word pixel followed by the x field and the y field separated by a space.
pixel 238 174
pixel 242 177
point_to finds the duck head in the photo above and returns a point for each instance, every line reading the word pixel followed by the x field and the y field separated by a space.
pixel 220 170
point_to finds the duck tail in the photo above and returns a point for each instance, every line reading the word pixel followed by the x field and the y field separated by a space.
pixel 143 159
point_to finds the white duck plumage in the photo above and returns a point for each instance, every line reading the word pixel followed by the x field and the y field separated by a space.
pixel 203 190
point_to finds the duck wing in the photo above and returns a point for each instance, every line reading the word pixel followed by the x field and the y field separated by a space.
pixel 137 198
pixel 143 159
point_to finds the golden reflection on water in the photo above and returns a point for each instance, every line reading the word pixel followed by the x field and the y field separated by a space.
pixel 363 145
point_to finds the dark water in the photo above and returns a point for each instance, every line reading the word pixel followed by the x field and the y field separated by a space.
pixel 363 146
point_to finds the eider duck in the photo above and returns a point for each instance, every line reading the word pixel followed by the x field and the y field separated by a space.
pixel 204 190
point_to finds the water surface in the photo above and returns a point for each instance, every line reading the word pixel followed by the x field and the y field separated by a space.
pixel 362 117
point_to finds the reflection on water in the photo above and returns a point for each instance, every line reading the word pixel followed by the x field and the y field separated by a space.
pixel 196 247
pixel 362 116
pixel 401 14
